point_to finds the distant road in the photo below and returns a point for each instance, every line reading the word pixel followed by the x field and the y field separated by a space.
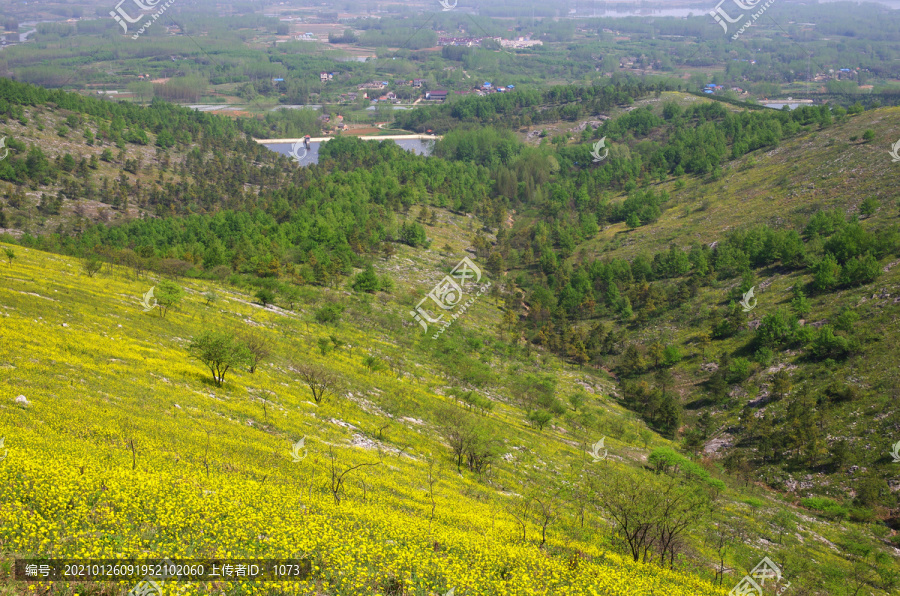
pixel 376 138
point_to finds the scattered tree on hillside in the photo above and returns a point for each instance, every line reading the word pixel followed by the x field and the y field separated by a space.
pixel 519 508
pixel 168 294
pixel 91 265
pixel 470 441
pixel 539 418
pixel 290 293
pixel 320 381
pixel 265 296
pixel 367 281
pixel 259 346
pixel 338 476
pixel 330 313
pixel 219 351
pixel 547 508
pixel 650 512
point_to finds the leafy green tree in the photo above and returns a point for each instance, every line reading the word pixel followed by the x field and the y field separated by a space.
pixel 168 294
pixel 869 206
pixel 650 512
pixel 781 383
pixel 840 454
pixel 91 265
pixel 374 363
pixel 535 392
pixel 219 351
pixel 671 355
pixel 291 294
pixel 828 345
pixel 632 361
pixel 871 491
pixel 10 254
pixel 330 313
pixel 265 296
pixel 800 303
pixel 777 329
pixel 259 346
pixel 367 281
pixel 471 442
pixel 826 273
pixel 577 399
pixel 845 319
pixel 668 417
pixel 539 418
pixel 655 352
pixel 413 234
pixel 860 271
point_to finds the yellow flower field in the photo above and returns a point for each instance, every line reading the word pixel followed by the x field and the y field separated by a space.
pixel 127 449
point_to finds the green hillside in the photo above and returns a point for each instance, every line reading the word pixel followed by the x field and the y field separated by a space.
pixel 402 464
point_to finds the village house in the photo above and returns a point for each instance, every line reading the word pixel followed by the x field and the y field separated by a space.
pixel 519 43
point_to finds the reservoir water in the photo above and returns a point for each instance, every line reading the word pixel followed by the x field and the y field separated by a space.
pixel 419 146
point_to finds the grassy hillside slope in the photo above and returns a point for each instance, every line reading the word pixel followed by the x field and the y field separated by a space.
pixel 127 448
pixel 211 473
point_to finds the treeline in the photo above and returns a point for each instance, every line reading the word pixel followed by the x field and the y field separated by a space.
pixel 524 108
